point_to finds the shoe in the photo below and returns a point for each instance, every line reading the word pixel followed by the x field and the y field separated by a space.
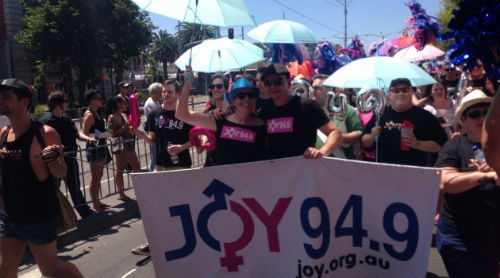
pixel 142 250
pixel 86 213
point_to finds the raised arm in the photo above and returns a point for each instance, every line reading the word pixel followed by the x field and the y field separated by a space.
pixel 182 112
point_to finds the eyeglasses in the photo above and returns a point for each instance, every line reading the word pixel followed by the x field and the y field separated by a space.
pixel 97 98
pixel 242 96
pixel 400 90
pixel 316 88
pixel 275 82
pixel 66 101
pixel 218 86
pixel 476 114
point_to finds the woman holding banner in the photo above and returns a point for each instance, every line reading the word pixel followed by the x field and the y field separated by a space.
pixel 468 229
pixel 240 136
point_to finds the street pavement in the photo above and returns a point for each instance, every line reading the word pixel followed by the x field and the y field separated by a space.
pixel 107 254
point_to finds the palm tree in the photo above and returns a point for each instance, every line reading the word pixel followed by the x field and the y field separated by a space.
pixel 190 34
pixel 164 49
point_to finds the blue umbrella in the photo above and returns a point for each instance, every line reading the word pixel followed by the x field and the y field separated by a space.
pixel 208 12
pixel 216 55
pixel 377 72
pixel 282 31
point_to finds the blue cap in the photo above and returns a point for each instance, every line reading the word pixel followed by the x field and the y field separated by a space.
pixel 242 84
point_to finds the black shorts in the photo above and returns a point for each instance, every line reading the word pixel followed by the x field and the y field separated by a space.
pixel 97 152
pixel 35 234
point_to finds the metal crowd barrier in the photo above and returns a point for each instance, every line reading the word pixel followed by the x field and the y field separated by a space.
pixel 108 187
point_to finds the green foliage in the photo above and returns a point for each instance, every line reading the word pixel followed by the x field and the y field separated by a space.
pixel 163 49
pixel 188 34
pixel 84 34
pixel 40 109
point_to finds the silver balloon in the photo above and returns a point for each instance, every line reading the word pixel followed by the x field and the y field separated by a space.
pixel 371 100
pixel 301 88
pixel 337 104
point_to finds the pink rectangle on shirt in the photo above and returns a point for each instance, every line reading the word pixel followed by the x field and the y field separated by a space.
pixel 280 125
pixel 238 134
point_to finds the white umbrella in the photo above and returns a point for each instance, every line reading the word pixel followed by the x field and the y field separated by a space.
pixel 282 31
pixel 377 72
pixel 208 12
pixel 222 54
pixel 411 54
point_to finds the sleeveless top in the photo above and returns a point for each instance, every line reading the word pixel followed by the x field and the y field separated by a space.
pixel 99 125
pixel 26 200
pixel 126 136
pixel 239 143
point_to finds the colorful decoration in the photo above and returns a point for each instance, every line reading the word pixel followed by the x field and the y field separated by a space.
pixel 424 27
pixel 284 53
pixel 404 41
pixel 306 69
pixel 476 30
pixel 325 59
pixel 135 117
pixel 354 50
pixel 382 48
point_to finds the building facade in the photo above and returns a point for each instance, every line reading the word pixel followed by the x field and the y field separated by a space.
pixel 14 60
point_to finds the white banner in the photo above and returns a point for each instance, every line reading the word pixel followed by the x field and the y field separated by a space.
pixel 290 218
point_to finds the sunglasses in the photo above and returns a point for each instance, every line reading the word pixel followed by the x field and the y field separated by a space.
pixel 66 101
pixel 476 114
pixel 97 98
pixel 242 96
pixel 402 90
pixel 275 82
pixel 316 88
pixel 448 69
pixel 218 86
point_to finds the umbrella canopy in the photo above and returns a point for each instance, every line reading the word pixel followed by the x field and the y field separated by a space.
pixel 208 12
pixel 222 54
pixel 282 31
pixel 411 54
pixel 377 72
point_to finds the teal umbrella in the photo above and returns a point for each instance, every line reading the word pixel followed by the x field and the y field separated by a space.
pixel 207 12
pixel 216 55
pixel 377 72
pixel 282 31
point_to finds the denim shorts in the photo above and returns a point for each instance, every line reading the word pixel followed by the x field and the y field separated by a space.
pixel 36 234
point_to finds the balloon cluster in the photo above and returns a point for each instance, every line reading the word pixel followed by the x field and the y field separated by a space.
pixel 355 49
pixel 370 99
pixel 424 27
pixel 325 59
pixel 284 53
pixel 476 31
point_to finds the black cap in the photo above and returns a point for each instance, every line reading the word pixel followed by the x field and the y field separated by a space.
pixel 22 89
pixel 398 81
pixel 275 69
pixel 124 84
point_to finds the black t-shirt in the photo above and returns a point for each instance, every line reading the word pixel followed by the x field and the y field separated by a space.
pixel 426 127
pixel 262 104
pixel 450 83
pixel 475 213
pixel 238 143
pixel 291 128
pixel 65 127
pixel 169 129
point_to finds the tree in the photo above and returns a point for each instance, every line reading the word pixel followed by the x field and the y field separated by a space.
pixel 85 35
pixel 190 34
pixel 164 49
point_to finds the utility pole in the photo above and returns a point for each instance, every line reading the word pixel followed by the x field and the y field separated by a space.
pixel 345 23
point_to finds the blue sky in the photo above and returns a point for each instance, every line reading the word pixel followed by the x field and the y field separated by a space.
pixel 370 19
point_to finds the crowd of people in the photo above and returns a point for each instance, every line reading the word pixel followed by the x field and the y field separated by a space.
pixel 256 118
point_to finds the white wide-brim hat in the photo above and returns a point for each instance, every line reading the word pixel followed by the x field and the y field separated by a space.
pixel 471 99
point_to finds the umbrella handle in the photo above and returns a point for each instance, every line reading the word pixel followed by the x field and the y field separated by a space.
pixel 194 21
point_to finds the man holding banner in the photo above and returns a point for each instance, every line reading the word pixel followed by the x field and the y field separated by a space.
pixel 292 121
